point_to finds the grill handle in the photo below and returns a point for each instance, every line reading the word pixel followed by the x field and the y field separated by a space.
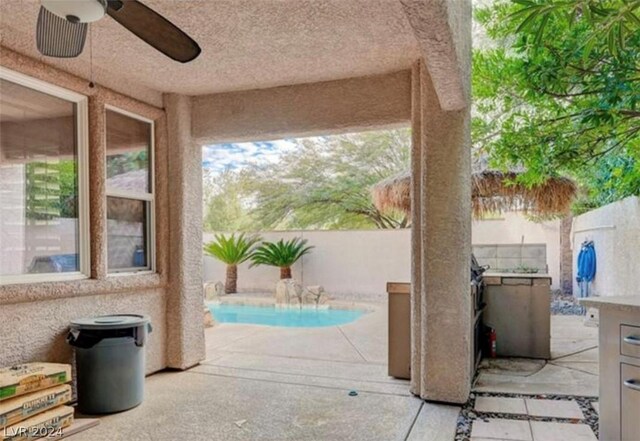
pixel 632 384
pixel 632 340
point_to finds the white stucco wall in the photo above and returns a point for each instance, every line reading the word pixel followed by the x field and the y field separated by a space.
pixel 362 262
pixel 615 231
pixel 344 262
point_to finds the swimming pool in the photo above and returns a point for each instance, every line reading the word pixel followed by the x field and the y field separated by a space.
pixel 286 317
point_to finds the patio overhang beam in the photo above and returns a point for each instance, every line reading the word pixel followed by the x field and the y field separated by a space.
pixel 353 104
pixel 444 45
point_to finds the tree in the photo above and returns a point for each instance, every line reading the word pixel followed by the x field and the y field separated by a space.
pixel 282 254
pixel 232 250
pixel 226 202
pixel 558 92
pixel 325 182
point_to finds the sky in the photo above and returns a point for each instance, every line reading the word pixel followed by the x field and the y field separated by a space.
pixel 234 156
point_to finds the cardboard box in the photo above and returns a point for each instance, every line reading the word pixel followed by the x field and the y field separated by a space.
pixel 30 377
pixel 47 424
pixel 16 409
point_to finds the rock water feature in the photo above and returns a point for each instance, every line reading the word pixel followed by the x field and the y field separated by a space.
pixel 290 294
pixel 212 291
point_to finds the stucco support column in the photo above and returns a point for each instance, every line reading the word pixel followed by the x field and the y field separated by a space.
pixel 185 325
pixel 441 368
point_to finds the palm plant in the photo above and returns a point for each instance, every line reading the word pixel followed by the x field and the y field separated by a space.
pixel 232 250
pixel 282 254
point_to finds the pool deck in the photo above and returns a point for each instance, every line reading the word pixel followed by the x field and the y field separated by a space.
pixel 269 383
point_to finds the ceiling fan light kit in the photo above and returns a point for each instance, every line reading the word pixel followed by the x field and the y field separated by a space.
pixel 62 27
pixel 77 11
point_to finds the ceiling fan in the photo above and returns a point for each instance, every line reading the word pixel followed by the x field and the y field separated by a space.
pixel 62 27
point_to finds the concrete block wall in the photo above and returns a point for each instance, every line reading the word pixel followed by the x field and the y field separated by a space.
pixel 512 256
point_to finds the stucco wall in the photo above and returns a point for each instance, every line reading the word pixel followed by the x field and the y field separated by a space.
pixel 352 104
pixel 615 231
pixel 361 262
pixel 344 262
pixel 37 330
pixel 34 317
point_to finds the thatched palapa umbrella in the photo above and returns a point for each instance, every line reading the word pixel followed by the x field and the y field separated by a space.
pixel 491 192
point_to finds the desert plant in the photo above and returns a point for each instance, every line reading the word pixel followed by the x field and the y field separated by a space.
pixel 282 254
pixel 232 250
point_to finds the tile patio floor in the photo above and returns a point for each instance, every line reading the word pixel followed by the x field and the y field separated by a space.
pixel 265 383
pixel 530 419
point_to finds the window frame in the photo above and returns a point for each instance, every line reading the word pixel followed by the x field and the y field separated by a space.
pixel 81 104
pixel 147 197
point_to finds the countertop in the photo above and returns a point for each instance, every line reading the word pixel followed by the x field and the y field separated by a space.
pixel 518 275
pixel 621 303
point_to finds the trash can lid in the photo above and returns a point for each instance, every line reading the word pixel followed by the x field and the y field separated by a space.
pixel 114 321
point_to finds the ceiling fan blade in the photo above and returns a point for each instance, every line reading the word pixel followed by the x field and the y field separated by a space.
pixel 57 37
pixel 154 29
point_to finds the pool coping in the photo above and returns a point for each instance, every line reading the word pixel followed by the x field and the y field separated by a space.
pixel 265 301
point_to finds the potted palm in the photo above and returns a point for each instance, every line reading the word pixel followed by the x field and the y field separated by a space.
pixel 282 254
pixel 232 250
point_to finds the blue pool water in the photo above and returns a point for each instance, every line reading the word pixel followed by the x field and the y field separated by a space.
pixel 287 317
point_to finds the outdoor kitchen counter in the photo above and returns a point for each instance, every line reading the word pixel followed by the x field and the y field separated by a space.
pixel 619 347
pixel 518 308
pixel 518 275
pixel 619 303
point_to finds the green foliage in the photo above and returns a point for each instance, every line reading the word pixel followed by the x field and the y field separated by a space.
pixel 282 254
pixel 613 178
pixel 51 189
pixel 232 249
pixel 126 162
pixel 225 203
pixel 324 183
pixel 611 21
pixel 558 92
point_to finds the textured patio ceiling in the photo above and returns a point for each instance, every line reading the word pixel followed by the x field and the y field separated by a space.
pixel 246 44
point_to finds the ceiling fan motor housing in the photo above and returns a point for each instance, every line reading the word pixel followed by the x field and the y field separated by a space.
pixel 77 11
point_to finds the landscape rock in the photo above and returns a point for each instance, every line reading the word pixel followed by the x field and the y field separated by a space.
pixel 213 290
pixel 315 289
pixel 289 293
pixel 208 318
pixel 209 291
pixel 315 295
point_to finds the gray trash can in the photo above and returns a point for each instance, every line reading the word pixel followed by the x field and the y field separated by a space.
pixel 109 361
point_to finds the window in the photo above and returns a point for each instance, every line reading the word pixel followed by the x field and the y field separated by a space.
pixel 43 181
pixel 130 200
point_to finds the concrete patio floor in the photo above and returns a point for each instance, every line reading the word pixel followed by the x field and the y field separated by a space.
pixel 268 383
pixel 572 370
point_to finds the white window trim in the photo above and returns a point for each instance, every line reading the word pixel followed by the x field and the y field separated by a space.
pixel 82 148
pixel 149 197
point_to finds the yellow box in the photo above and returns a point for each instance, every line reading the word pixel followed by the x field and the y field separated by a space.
pixel 30 377
pixel 47 424
pixel 16 409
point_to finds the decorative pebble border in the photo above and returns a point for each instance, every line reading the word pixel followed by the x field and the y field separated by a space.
pixel 565 304
pixel 468 414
